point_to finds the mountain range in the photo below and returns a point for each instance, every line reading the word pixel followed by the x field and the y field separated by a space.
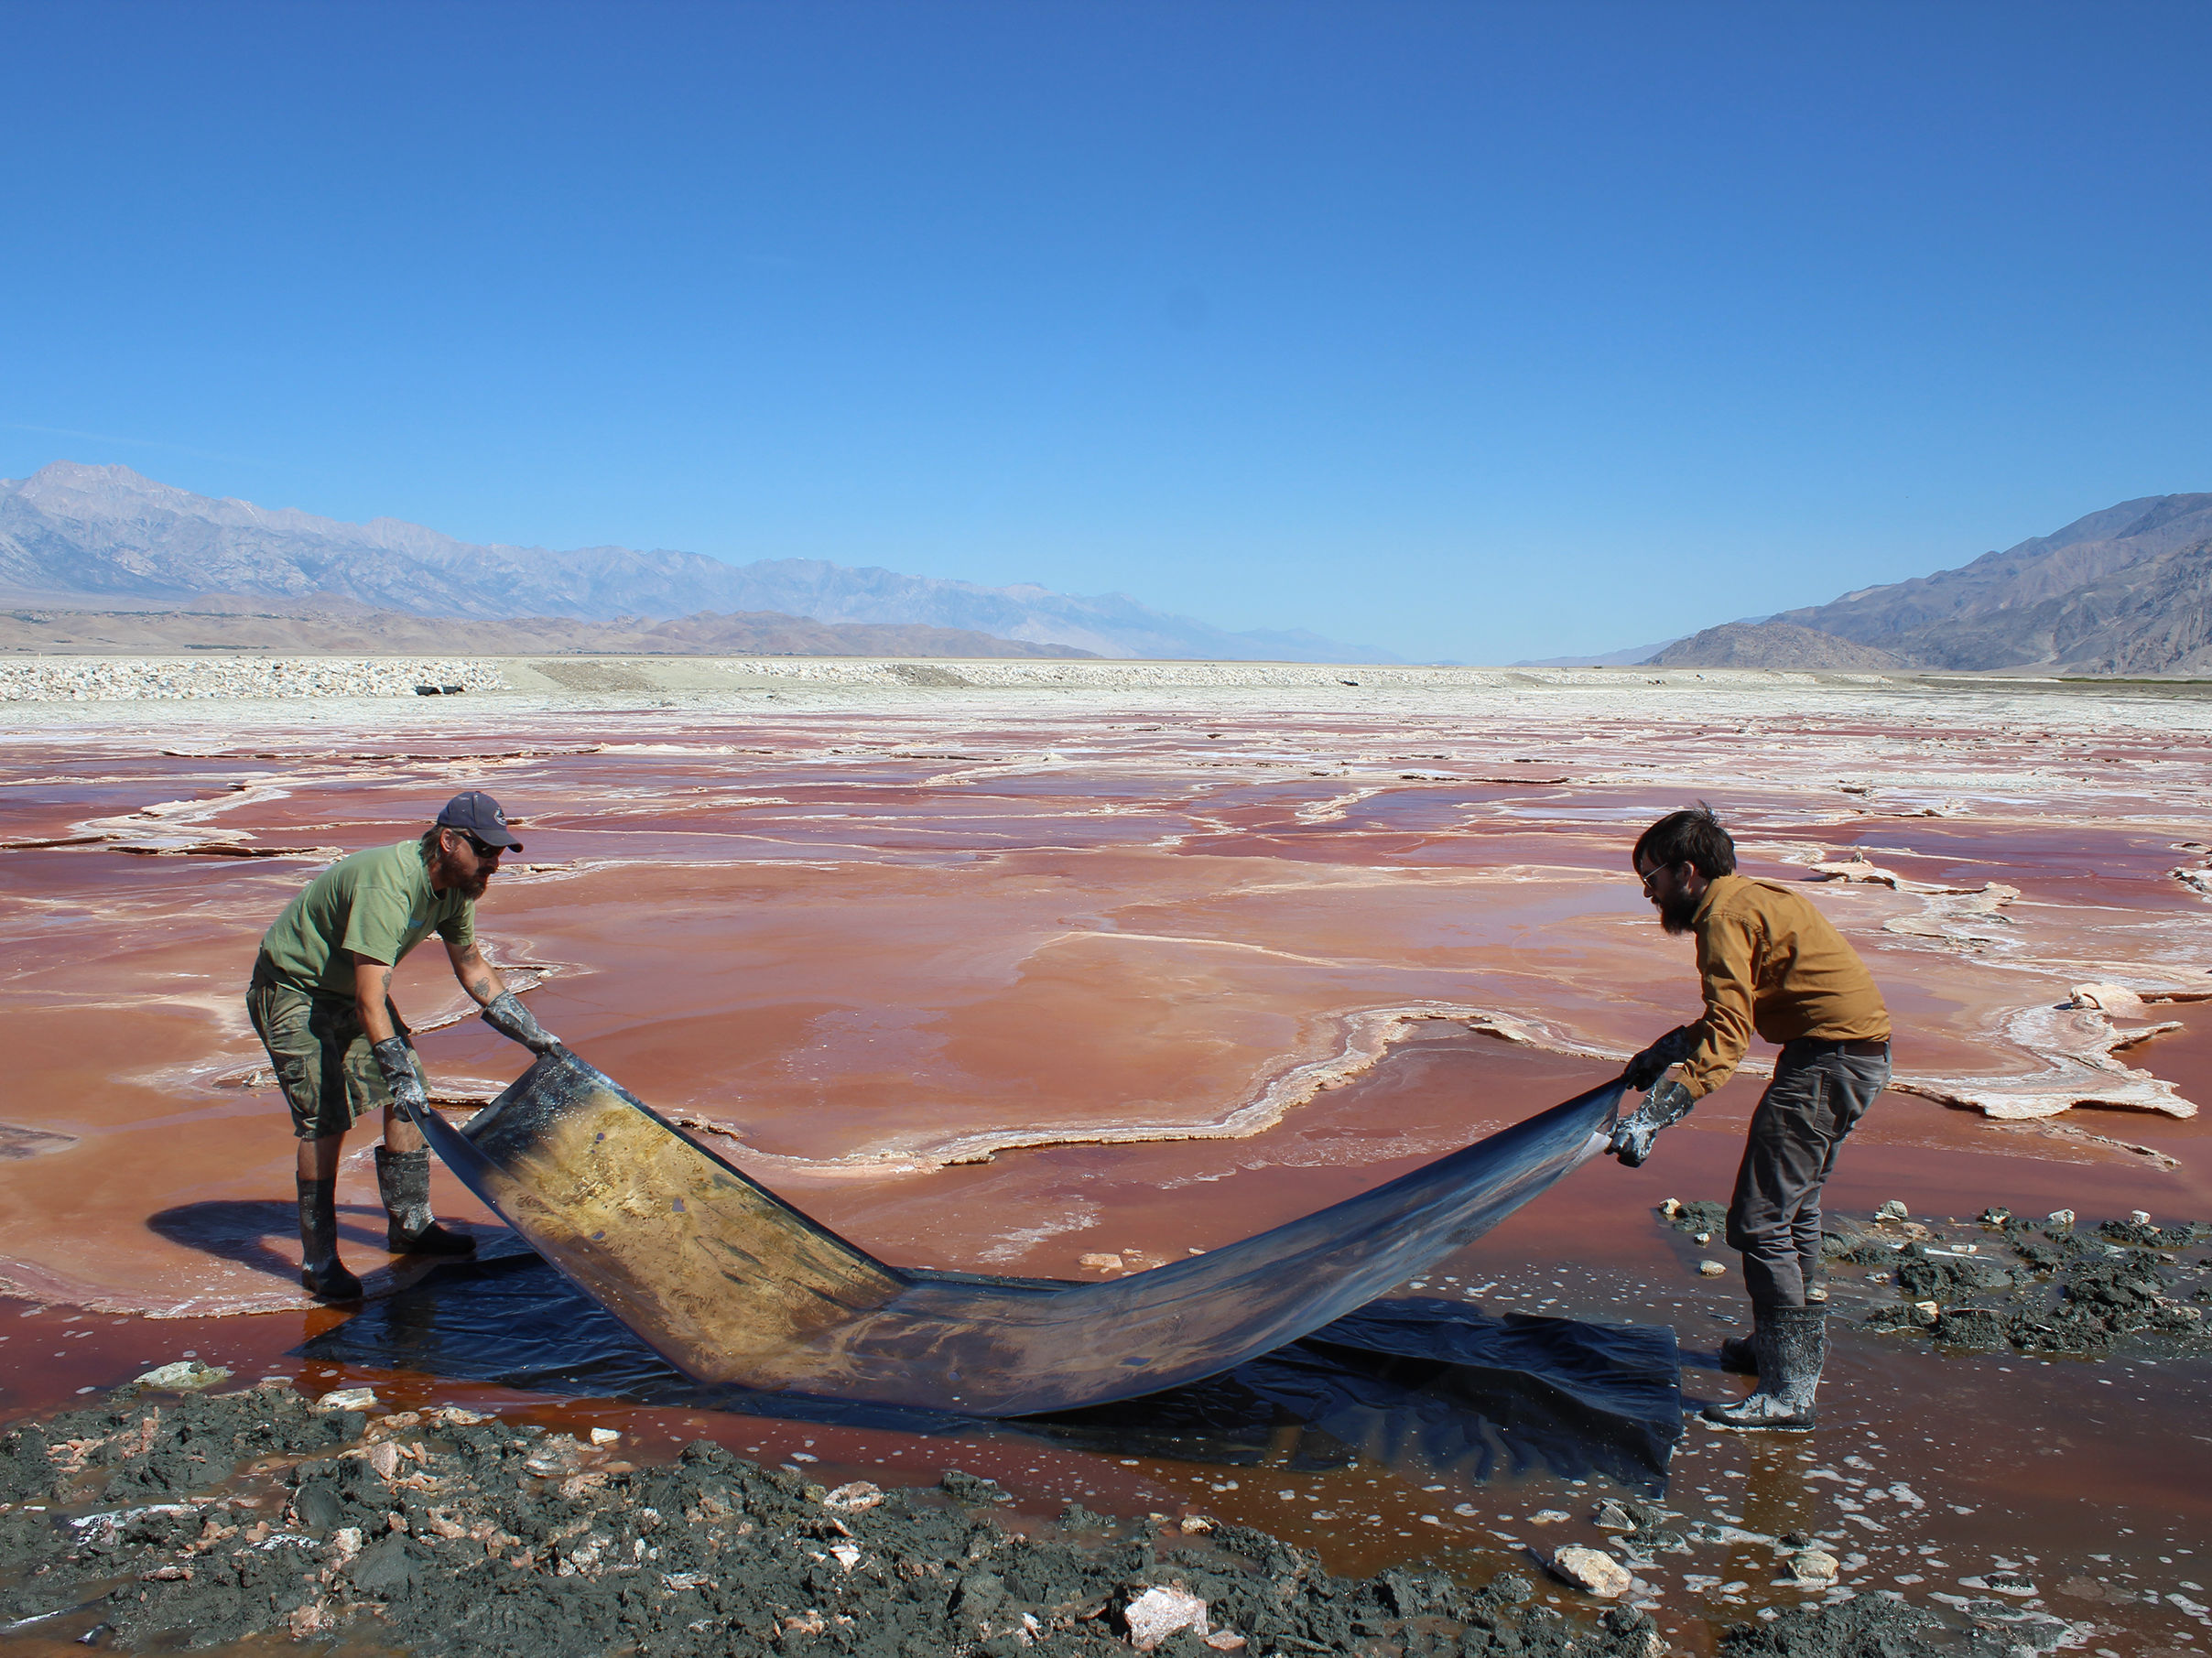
pixel 2124 590
pixel 322 623
pixel 104 536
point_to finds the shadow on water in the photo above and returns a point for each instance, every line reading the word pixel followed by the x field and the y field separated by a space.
pixel 1423 1387
pixel 239 1229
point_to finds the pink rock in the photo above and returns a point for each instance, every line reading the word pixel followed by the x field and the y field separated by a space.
pixel 1159 1612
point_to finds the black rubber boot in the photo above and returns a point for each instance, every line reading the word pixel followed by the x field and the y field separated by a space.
pixel 1740 1354
pixel 404 1179
pixel 1791 1343
pixel 320 1271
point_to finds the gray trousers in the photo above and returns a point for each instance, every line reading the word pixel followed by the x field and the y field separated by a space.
pixel 1820 1092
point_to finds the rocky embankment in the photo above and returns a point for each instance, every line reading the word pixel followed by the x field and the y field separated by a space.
pixel 228 678
pixel 162 1518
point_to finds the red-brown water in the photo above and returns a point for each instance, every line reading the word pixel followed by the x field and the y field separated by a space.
pixel 993 986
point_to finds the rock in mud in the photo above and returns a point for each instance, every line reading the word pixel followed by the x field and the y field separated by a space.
pixel 1593 1571
pixel 184 1376
pixel 1160 1612
pixel 1814 1568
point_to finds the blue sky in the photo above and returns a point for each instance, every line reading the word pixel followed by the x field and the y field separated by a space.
pixel 1473 331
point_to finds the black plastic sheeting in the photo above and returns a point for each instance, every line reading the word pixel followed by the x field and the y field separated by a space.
pixel 736 1286
pixel 1427 1388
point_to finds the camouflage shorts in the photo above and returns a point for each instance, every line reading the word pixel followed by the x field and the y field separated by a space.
pixel 320 1056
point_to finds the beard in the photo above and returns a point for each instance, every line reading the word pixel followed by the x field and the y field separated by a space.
pixel 1675 913
pixel 449 878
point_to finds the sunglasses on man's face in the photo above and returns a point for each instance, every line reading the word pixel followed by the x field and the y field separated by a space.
pixel 479 847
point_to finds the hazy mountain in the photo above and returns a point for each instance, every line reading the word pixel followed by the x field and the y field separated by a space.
pixel 1628 656
pixel 105 533
pixel 2123 590
pixel 328 623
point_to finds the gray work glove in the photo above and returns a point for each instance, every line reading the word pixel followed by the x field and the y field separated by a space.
pixel 505 1013
pixel 1649 1065
pixel 1668 1103
pixel 396 1061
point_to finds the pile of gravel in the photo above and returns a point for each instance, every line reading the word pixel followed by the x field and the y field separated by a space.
pixel 228 678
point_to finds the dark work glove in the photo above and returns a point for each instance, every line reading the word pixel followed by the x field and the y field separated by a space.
pixel 1649 1065
pixel 1669 1103
pixel 505 1013
pixel 396 1061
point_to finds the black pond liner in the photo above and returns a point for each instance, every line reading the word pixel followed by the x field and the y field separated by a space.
pixel 1425 1387
pixel 736 1286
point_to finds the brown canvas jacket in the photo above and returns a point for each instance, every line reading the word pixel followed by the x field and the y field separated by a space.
pixel 1771 963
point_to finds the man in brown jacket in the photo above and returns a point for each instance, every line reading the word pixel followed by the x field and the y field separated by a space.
pixel 1771 963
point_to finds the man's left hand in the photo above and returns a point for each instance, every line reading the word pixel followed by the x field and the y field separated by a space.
pixel 1649 1065
pixel 1632 1139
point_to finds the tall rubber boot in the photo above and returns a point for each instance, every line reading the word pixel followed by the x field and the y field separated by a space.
pixel 320 1271
pixel 403 1180
pixel 1792 1344
pixel 1740 1354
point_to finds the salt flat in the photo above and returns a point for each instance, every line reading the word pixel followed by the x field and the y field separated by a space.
pixel 870 919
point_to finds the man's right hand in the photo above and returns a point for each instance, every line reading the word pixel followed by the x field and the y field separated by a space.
pixel 396 1061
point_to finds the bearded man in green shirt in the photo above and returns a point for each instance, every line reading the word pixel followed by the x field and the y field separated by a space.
pixel 320 1001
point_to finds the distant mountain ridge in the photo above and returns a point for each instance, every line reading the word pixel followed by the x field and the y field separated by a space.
pixel 100 534
pixel 327 624
pixel 2124 590
pixel 1771 645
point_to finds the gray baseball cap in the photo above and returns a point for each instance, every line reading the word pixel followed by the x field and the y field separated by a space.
pixel 476 813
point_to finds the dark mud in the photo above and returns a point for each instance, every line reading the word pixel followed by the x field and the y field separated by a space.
pixel 161 1519
pixel 1880 1627
pixel 2049 1287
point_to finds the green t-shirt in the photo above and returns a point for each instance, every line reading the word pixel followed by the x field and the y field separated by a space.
pixel 377 904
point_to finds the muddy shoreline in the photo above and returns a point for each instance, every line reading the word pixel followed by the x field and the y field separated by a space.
pixel 181 1510
pixel 161 1519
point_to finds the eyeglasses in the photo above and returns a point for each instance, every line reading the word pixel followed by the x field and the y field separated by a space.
pixel 1655 876
pixel 478 847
